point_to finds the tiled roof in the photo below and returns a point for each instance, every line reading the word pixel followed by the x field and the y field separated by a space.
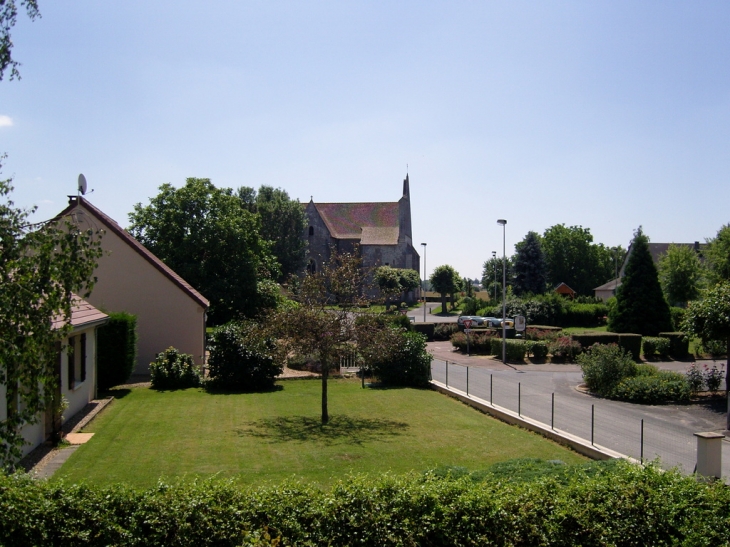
pixel 379 236
pixel 82 313
pixel 111 225
pixel 611 285
pixel 349 220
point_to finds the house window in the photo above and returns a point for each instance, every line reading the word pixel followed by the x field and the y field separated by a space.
pixel 76 353
pixel 311 231
pixel 312 266
pixel 71 362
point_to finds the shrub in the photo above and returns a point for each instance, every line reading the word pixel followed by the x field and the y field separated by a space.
pixel 242 358
pixel 695 378
pixel 713 377
pixel 458 340
pixel 541 332
pixel 443 331
pixel 678 343
pixel 427 329
pixel 655 345
pixel 714 348
pixel 604 367
pixel 516 350
pixel 116 350
pixel 565 348
pixel 677 316
pixel 661 387
pixel 174 370
pixel 408 365
pixel 538 349
pixel 584 315
pixel 631 343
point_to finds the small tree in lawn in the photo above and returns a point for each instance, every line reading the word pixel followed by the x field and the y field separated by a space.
pixel 680 274
pixel 445 281
pixel 640 305
pixel 709 319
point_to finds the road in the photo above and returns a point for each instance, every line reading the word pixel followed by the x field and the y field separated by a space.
pixel 529 389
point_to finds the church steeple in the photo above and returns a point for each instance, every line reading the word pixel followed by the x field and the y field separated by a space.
pixel 406 189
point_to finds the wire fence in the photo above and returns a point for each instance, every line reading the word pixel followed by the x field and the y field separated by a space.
pixel 603 425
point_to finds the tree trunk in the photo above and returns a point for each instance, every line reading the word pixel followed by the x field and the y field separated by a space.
pixel 727 384
pixel 443 303
pixel 325 374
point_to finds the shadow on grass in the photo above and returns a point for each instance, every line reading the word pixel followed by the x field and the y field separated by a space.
pixel 214 390
pixel 340 429
pixel 117 393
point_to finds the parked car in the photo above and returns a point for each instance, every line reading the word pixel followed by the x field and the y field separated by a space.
pixel 496 322
pixel 476 320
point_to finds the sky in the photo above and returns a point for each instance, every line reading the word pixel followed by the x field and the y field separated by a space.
pixel 605 114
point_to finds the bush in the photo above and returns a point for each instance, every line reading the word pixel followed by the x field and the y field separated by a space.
pixel 479 342
pixel 564 348
pixel 604 367
pixel 631 343
pixel 539 349
pixel 516 350
pixel 714 348
pixel 408 365
pixel 655 346
pixel 174 370
pixel 677 316
pixel 242 358
pixel 584 315
pixel 116 350
pixel 443 331
pixel 427 329
pixel 678 343
pixel 695 378
pixel 713 377
pixel 661 387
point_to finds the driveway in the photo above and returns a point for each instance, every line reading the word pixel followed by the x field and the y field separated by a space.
pixel 431 318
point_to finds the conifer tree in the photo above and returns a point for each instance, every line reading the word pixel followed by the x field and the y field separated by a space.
pixel 640 305
pixel 530 268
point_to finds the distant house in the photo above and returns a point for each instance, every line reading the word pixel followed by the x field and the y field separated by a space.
pixel 382 230
pixel 607 290
pixel 565 290
pixel 75 372
pixel 130 278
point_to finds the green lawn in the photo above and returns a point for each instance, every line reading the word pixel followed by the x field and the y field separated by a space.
pixel 145 435
pixel 580 330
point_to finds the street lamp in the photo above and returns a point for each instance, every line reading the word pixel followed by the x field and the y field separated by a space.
pixel 424 282
pixel 494 259
pixel 504 290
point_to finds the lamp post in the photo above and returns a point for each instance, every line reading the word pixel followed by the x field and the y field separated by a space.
pixel 494 259
pixel 424 282
pixel 504 290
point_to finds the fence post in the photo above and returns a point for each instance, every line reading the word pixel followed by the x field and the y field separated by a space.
pixel 519 398
pixel 593 421
pixel 467 380
pixel 552 412
pixel 491 401
pixel 641 453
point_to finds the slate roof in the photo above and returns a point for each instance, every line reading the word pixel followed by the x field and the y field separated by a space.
pixel 82 314
pixel 372 223
pixel 610 286
pixel 111 225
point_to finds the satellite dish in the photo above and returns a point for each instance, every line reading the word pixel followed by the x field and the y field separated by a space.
pixel 82 184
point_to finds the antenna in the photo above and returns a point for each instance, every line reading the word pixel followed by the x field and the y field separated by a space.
pixel 82 185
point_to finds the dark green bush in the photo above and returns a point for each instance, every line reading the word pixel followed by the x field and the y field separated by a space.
pixel 661 387
pixel 538 349
pixel 677 316
pixel 443 331
pixel 631 343
pixel 714 348
pixel 516 350
pixel 174 370
pixel 654 345
pixel 242 358
pixel 584 315
pixel 619 504
pixel 604 366
pixel 408 365
pixel 116 350
pixel 427 329
pixel 678 343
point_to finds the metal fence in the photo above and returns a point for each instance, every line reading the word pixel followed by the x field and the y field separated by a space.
pixel 604 425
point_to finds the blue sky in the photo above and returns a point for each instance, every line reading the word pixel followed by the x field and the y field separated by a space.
pixel 608 115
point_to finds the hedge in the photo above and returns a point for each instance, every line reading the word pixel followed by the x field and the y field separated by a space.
pixel 678 343
pixel 116 352
pixel 629 342
pixel 427 329
pixel 614 505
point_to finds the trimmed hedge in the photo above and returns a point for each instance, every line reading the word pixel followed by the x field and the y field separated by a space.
pixel 612 505
pixel 661 387
pixel 629 342
pixel 655 345
pixel 632 344
pixel 116 350
pixel 427 329
pixel 678 343
pixel 443 331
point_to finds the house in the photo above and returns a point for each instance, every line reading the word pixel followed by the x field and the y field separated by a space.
pixel 381 230
pixel 564 290
pixel 607 290
pixel 130 278
pixel 75 372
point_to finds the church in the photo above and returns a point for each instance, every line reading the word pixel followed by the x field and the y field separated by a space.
pixel 382 230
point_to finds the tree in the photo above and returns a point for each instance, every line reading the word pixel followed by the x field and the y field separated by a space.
pixel 680 274
pixel 8 18
pixel 205 235
pixel 492 276
pixel 445 280
pixel 640 305
pixel 574 259
pixel 42 267
pixel 709 319
pixel 393 282
pixel 530 269
pixel 282 224
pixel 717 254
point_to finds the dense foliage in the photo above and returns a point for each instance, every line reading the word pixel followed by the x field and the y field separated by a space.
pixel 174 370
pixel 116 350
pixel 8 18
pixel 551 309
pixel 42 268
pixel 604 366
pixel 620 504
pixel 640 304
pixel 655 345
pixel 207 236
pixel 717 255
pixel 446 281
pixel 242 358
pixel 680 274
pixel 408 363
pixel 394 282
pixel 529 266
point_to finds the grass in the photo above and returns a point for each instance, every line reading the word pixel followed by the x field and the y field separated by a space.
pixel 259 437
pixel 577 330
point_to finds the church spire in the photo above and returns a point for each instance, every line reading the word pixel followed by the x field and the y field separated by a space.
pixel 406 189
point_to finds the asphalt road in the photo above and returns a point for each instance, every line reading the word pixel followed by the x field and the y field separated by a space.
pixel 529 389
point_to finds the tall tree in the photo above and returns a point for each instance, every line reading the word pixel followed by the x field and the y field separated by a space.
pixel 41 268
pixel 709 319
pixel 282 224
pixel 205 235
pixel 717 254
pixel 680 274
pixel 446 281
pixel 574 259
pixel 8 18
pixel 640 305
pixel 492 275
pixel 530 268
